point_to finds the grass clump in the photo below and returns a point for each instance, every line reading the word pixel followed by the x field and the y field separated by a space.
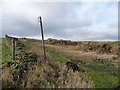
pixel 52 74
pixel 56 75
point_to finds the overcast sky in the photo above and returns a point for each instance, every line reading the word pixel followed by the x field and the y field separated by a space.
pixel 61 20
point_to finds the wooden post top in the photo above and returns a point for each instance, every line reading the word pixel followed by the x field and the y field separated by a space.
pixel 39 18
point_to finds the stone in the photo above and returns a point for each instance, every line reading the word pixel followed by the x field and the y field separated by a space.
pixel 73 66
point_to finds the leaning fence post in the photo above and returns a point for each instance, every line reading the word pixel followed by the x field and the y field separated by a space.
pixel 40 22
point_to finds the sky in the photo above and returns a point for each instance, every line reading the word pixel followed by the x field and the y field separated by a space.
pixel 61 20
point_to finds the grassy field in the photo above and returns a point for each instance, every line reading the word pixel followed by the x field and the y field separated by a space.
pixel 0 52
pixel 29 63
pixel 1 47
pixel 100 77
pixel 97 74
pixel 6 51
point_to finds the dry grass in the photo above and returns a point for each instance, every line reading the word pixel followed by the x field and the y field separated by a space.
pixel 51 74
pixel 34 47
pixel 7 79
pixel 56 75
pixel 71 50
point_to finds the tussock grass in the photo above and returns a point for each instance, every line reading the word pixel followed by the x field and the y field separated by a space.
pixel 7 78
pixel 47 75
pixel 56 75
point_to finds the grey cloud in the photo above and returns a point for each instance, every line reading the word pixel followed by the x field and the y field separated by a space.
pixel 19 26
pixel 106 37
pixel 59 20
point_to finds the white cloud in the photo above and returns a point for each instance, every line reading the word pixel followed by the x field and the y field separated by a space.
pixel 75 21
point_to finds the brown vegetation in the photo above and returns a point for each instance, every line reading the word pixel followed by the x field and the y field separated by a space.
pixel 51 74
pixel 80 51
pixel 7 78
pixel 86 46
pixel 56 75
pixel 31 72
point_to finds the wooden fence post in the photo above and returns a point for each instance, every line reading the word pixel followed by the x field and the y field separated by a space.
pixel 40 22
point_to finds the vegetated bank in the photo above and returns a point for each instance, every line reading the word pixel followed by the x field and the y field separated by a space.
pixel 103 71
pixel 29 71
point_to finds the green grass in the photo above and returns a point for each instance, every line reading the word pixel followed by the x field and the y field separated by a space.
pixel 59 56
pixel 0 46
pixel 6 51
pixel 100 78
pixel 0 52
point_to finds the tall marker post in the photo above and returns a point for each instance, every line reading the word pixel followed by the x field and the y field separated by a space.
pixel 40 23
